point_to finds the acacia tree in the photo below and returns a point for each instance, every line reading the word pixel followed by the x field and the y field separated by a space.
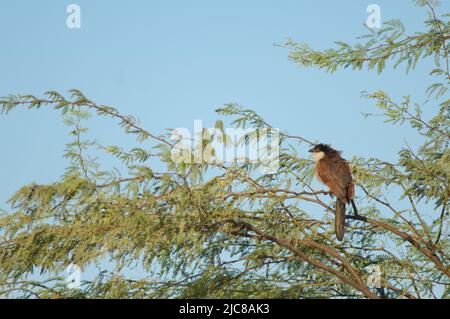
pixel 224 230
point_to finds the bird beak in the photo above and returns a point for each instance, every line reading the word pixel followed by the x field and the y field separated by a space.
pixel 311 150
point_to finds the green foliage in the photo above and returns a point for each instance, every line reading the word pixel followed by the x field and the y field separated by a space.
pixel 208 230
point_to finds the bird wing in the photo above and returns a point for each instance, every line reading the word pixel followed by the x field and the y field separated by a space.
pixel 335 172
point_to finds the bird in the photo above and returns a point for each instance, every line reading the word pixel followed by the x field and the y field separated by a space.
pixel 334 171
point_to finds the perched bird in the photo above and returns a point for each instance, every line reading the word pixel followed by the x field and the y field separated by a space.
pixel 334 171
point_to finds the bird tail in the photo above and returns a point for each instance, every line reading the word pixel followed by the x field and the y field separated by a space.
pixel 339 223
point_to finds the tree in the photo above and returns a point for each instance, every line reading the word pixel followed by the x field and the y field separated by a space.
pixel 225 230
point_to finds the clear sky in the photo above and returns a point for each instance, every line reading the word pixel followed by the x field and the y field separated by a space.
pixel 172 62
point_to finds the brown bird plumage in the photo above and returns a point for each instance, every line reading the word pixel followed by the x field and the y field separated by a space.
pixel 334 171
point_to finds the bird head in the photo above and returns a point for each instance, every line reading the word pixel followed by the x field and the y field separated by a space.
pixel 319 151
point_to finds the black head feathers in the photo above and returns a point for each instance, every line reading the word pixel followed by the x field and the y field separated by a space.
pixel 325 148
